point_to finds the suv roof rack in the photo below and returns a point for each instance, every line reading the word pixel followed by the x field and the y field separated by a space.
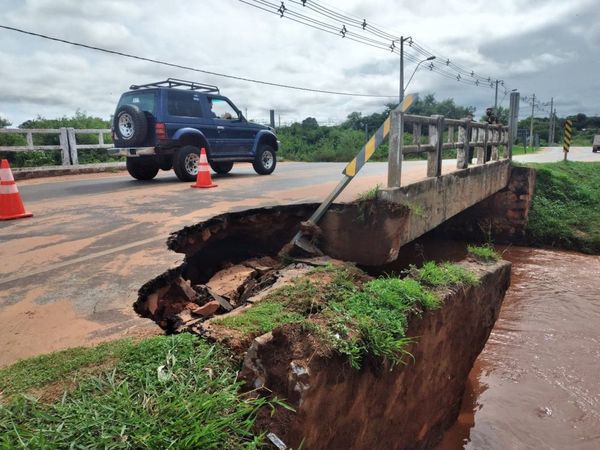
pixel 174 83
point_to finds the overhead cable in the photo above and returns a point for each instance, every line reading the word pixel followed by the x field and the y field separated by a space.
pixel 343 24
pixel 193 69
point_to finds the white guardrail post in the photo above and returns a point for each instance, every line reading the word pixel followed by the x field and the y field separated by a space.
pixel 72 146
pixel 64 147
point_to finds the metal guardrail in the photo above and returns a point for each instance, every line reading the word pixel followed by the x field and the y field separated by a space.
pixel 444 134
pixel 67 141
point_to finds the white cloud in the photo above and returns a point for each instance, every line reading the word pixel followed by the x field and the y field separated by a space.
pixel 531 45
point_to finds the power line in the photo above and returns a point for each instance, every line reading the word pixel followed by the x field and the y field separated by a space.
pixel 193 69
pixel 340 29
pixel 343 19
pixel 305 20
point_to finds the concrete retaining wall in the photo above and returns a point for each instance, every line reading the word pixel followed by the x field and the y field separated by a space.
pixel 435 200
pixel 503 217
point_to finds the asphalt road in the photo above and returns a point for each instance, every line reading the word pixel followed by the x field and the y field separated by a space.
pixel 69 275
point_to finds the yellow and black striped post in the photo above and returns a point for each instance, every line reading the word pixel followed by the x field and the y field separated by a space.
pixel 568 136
pixel 369 148
pixel 349 173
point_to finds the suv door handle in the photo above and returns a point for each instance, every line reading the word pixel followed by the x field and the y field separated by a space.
pixel 220 128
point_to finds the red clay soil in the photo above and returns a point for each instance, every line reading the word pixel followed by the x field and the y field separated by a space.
pixel 408 407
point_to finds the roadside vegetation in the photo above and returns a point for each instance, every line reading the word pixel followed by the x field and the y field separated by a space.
pixel 162 392
pixel 355 317
pixel 566 206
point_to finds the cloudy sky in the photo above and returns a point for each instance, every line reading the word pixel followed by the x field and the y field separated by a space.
pixel 546 47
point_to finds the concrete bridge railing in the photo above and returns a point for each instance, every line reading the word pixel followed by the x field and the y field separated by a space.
pixel 486 142
pixel 67 141
pixel 437 198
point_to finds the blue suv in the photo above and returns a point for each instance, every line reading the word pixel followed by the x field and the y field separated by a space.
pixel 163 125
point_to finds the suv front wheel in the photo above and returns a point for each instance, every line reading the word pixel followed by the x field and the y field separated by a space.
pixel 186 162
pixel 265 160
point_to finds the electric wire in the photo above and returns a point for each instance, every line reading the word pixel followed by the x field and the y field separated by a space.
pixel 458 73
pixel 193 69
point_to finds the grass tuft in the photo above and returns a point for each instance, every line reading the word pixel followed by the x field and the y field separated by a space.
pixel 260 318
pixel 485 253
pixel 442 275
pixel 371 194
pixel 373 322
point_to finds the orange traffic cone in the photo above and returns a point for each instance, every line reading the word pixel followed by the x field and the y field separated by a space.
pixel 11 206
pixel 203 180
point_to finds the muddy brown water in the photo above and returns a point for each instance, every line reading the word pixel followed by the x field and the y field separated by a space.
pixel 536 385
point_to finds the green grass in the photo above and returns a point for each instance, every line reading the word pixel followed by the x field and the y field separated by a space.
pixel 164 392
pixel 566 206
pixel 372 322
pixel 521 150
pixel 485 253
pixel 260 318
pixel 442 275
pixel 46 369
pixel 360 320
pixel 371 194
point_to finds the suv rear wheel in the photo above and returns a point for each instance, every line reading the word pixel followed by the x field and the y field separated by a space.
pixel 265 160
pixel 141 168
pixel 130 125
pixel 221 167
pixel 186 162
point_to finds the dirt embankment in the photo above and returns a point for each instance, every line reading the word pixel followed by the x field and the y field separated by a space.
pixel 409 406
pixel 231 264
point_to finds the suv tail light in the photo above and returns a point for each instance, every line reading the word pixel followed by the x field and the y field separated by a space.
pixel 160 130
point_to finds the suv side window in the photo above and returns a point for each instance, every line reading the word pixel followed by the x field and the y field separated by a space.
pixel 221 109
pixel 183 104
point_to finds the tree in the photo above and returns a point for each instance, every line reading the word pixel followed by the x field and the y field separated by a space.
pixel 310 122
pixel 4 123
pixel 501 113
pixel 429 106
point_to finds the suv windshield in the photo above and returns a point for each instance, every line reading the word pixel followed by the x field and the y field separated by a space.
pixel 143 100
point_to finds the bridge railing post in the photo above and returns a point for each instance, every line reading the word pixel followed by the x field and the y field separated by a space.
pixel 72 146
pixel 64 147
pixel 495 142
pixel 480 146
pixel 462 151
pixel 395 151
pixel 436 139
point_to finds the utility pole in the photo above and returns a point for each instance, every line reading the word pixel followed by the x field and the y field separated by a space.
pixel 401 84
pixel 496 99
pixel 550 137
pixel 401 93
pixel 531 128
